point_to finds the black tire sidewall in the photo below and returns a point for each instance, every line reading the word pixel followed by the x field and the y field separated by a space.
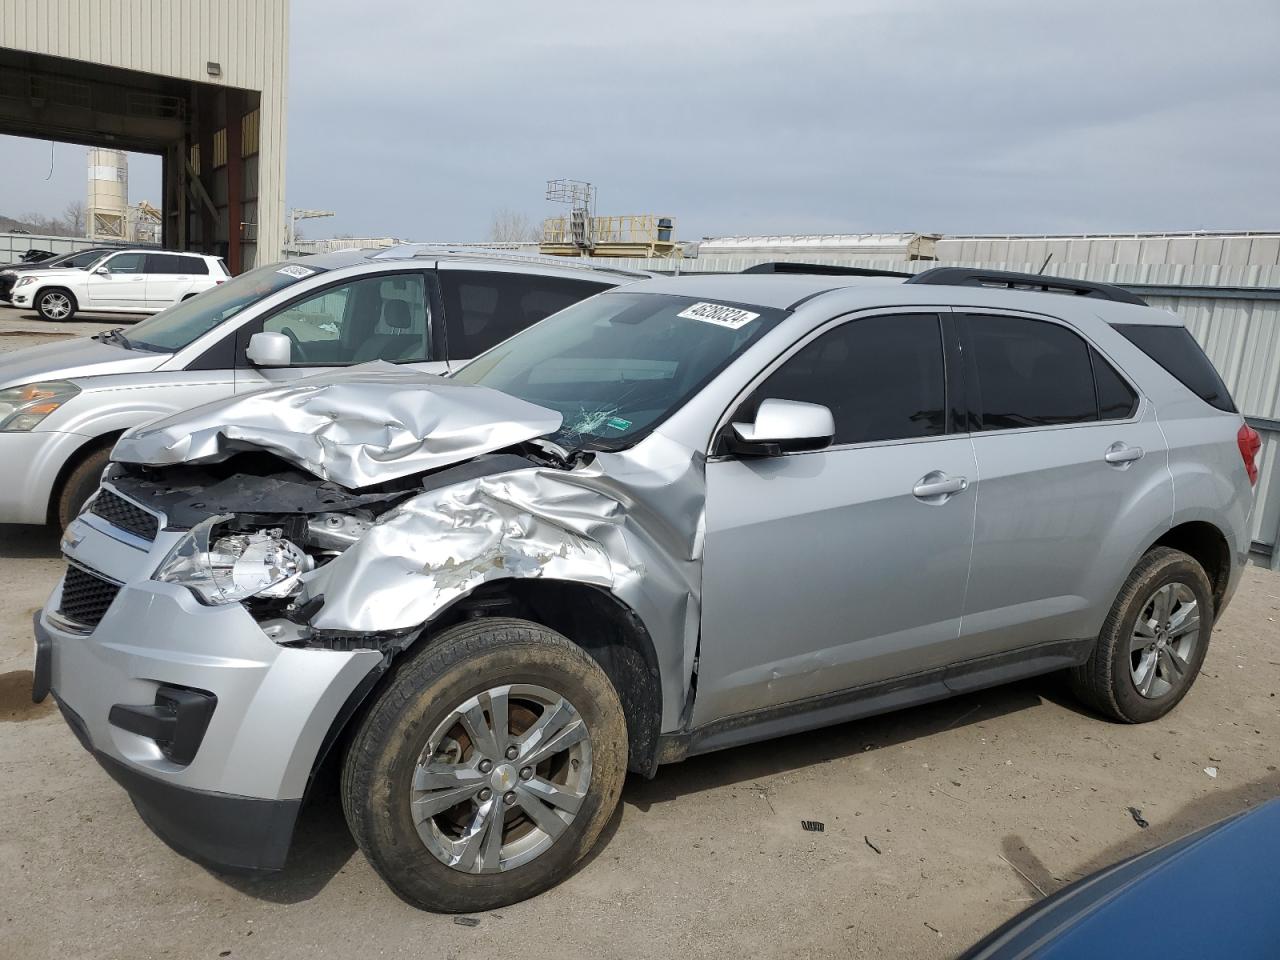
pixel 80 485
pixel 382 757
pixel 1172 568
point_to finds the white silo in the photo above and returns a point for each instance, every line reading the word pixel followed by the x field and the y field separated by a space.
pixel 107 215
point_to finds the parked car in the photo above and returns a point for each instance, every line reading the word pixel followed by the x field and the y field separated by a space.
pixel 126 281
pixel 683 515
pixel 80 260
pixel 63 405
pixel 1231 866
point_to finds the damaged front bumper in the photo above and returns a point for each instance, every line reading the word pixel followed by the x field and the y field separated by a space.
pixel 212 728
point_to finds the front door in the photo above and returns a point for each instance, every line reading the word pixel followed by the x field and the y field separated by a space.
pixel 1072 463
pixel 122 287
pixel 836 568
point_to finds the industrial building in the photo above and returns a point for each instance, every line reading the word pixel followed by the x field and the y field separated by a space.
pixel 201 83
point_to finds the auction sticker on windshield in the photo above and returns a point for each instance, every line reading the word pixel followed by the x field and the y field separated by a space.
pixel 296 271
pixel 719 314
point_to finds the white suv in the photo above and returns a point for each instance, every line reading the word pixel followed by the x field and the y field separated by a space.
pixel 128 281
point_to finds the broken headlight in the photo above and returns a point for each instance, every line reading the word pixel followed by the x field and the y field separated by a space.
pixel 233 567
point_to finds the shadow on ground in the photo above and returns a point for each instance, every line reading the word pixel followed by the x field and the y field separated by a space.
pixel 767 758
pixel 1040 879
pixel 22 542
pixel 322 846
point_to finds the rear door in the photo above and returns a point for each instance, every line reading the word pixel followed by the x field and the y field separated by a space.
pixel 124 286
pixel 837 568
pixel 166 280
pixel 383 316
pixel 1073 474
pixel 484 307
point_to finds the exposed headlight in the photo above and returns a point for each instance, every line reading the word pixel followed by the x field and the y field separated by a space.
pixel 21 408
pixel 233 567
pixel 23 281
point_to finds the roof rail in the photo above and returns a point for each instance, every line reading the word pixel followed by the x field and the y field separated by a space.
pixel 445 250
pixel 1008 279
pixel 825 269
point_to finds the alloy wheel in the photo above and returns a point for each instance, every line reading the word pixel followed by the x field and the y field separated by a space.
pixel 501 778
pixel 1164 640
pixel 55 306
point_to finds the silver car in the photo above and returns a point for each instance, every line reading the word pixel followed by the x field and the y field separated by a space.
pixel 63 405
pixel 683 515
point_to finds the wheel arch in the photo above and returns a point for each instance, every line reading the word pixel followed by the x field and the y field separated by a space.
pixel 596 620
pixel 1207 545
pixel 77 457
pixel 40 291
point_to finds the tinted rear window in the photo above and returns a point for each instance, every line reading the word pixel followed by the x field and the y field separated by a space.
pixel 1175 349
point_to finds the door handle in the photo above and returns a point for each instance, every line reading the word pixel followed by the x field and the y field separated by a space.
pixel 936 486
pixel 1121 453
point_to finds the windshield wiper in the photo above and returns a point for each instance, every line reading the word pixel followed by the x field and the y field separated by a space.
pixel 113 336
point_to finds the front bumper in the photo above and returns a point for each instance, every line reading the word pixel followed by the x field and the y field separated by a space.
pixel 233 805
pixel 217 830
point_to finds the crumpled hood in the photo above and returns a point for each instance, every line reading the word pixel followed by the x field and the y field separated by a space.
pixel 69 359
pixel 357 427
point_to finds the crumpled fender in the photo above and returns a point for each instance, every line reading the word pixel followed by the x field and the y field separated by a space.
pixel 627 523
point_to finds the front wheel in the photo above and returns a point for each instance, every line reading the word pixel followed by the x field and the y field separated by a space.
pixel 1153 641
pixel 81 483
pixel 487 768
pixel 55 305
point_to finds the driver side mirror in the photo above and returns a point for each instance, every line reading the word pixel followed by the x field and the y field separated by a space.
pixel 103 271
pixel 269 350
pixel 782 426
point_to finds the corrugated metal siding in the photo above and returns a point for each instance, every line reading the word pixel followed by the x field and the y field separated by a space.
pixel 1195 249
pixel 177 38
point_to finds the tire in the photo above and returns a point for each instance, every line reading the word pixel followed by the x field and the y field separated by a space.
pixel 1131 655
pixel 413 721
pixel 80 485
pixel 55 305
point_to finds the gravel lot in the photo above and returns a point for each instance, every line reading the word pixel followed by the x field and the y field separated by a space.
pixel 941 822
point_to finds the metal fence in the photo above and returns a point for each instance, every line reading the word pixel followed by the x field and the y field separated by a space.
pixel 14 245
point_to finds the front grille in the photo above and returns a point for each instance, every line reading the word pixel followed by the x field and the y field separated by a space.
pixel 86 596
pixel 6 287
pixel 126 515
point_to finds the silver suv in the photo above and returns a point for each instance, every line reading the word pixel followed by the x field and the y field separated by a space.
pixel 63 405
pixel 682 515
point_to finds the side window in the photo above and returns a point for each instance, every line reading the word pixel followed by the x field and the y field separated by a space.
pixel 164 263
pixel 881 377
pixel 193 266
pixel 383 317
pixel 1116 399
pixel 126 263
pixel 482 308
pixel 1030 373
pixel 1175 349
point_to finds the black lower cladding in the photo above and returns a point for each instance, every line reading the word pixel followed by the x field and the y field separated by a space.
pixel 221 831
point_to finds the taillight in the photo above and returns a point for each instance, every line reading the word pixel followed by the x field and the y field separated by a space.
pixel 1249 443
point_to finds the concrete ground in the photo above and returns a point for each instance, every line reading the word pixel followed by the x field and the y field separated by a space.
pixel 941 822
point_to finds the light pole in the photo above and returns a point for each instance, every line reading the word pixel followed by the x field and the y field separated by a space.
pixel 295 215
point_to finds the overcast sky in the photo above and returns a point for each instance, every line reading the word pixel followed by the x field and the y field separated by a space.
pixel 757 116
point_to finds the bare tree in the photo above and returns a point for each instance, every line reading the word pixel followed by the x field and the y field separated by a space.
pixel 73 218
pixel 512 226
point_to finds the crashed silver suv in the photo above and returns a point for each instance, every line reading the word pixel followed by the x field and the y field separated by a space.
pixel 678 516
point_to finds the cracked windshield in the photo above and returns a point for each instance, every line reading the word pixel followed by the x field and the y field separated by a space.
pixel 616 365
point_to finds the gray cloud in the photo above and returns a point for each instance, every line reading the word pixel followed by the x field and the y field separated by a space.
pixel 801 116
pixel 736 116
